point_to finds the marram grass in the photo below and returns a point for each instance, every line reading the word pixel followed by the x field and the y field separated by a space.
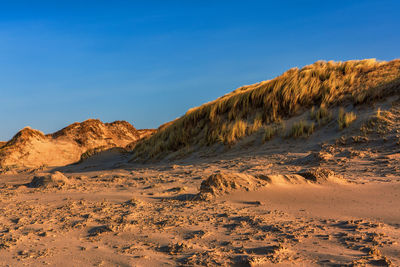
pixel 345 118
pixel 248 109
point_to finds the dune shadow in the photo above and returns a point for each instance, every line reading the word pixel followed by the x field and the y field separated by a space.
pixel 182 197
pixel 109 159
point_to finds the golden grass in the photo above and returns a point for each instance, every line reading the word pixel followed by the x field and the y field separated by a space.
pixel 301 129
pixel 249 108
pixel 269 133
pixel 345 118
pixel 322 115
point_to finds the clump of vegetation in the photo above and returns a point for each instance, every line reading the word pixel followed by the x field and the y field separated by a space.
pixel 380 122
pixel 256 125
pixel 269 133
pixel 322 115
pixel 301 129
pixel 249 108
pixel 234 131
pixel 345 118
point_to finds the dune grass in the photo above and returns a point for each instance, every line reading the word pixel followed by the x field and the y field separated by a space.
pixel 345 118
pixel 322 115
pixel 247 109
pixel 301 129
pixel 269 133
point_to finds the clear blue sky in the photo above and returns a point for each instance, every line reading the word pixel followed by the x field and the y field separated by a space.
pixel 147 62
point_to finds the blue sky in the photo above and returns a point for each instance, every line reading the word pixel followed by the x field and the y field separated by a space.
pixel 147 62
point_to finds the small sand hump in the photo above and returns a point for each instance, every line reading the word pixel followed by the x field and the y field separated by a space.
pixel 56 179
pixel 225 182
pixel 311 176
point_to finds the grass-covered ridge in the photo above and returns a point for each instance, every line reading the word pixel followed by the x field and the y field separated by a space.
pixel 251 108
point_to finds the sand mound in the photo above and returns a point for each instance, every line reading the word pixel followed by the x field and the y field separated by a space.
pixel 224 183
pixel 49 180
pixel 31 148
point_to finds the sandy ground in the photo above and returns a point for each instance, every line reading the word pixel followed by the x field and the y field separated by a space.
pixel 115 213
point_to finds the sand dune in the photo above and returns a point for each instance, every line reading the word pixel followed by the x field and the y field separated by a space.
pixel 319 186
pixel 32 149
pixel 321 92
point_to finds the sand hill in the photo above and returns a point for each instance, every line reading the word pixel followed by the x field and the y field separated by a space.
pixel 301 170
pixel 264 108
pixel 31 148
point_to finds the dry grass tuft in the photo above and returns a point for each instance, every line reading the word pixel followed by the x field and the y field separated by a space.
pixel 249 108
pixel 345 118
pixel 322 115
pixel 269 133
pixel 301 129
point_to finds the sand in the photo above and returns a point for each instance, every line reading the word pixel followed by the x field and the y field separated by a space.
pixel 262 211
